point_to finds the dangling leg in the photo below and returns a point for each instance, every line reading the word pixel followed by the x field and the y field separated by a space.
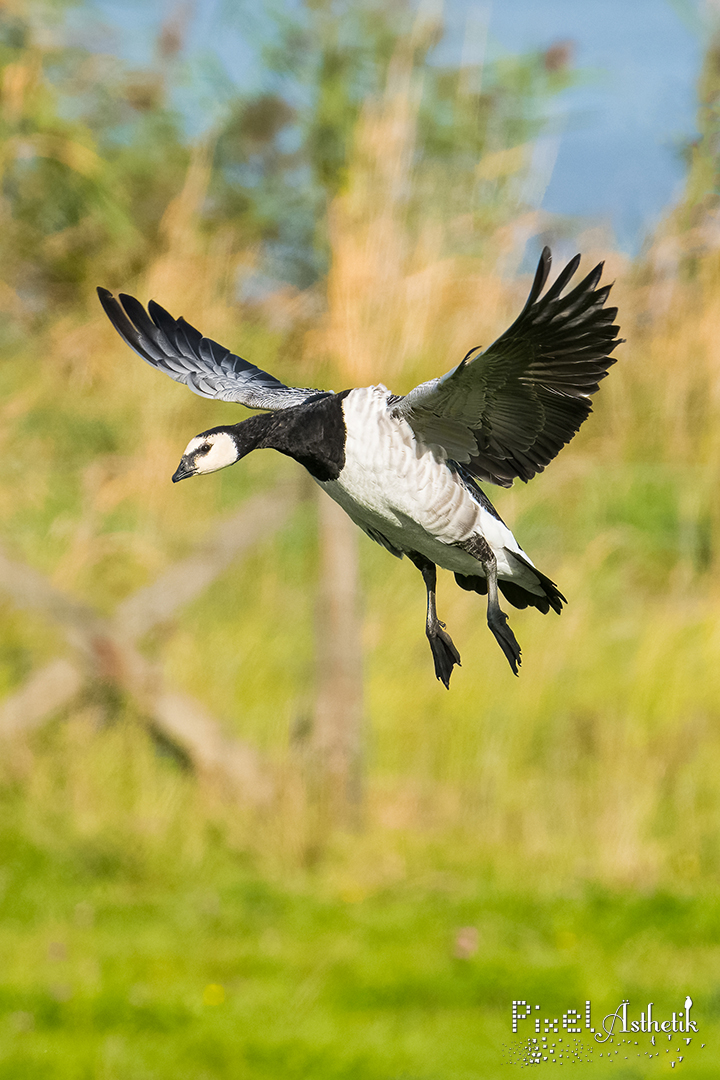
pixel 496 617
pixel 445 655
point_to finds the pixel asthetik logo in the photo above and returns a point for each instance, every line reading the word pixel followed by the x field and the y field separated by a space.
pixel 547 1039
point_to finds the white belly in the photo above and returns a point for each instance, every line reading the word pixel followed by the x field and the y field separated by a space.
pixel 399 487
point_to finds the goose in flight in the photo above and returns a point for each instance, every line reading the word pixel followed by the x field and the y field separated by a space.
pixel 405 469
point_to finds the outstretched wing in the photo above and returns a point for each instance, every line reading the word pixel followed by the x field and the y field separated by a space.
pixel 178 349
pixel 508 411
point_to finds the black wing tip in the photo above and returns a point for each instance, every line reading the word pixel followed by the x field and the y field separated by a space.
pixel 130 303
pixel 157 311
pixel 574 263
pixel 541 275
pixel 109 304
pixel 127 315
pixel 113 309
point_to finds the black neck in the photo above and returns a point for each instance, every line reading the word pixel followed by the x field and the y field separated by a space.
pixel 313 434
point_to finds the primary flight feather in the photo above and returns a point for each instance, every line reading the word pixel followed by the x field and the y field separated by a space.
pixel 405 468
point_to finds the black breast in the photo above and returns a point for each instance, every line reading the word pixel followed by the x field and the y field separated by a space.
pixel 313 434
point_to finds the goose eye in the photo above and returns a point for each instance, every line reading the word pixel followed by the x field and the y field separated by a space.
pixel 204 449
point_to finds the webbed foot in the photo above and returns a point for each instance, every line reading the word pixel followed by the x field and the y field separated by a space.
pixel 445 655
pixel 498 623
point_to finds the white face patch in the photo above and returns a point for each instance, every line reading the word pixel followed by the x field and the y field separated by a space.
pixel 221 453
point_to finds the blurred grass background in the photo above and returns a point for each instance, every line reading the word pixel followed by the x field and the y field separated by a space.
pixel 151 924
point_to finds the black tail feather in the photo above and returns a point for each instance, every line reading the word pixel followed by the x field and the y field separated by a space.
pixel 515 594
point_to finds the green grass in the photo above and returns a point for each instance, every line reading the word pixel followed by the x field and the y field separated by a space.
pixel 111 960
pixel 143 936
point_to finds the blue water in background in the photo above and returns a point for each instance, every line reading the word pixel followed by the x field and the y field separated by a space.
pixel 622 128
pixel 615 136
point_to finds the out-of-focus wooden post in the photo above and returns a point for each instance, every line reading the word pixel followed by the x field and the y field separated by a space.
pixel 337 729
pixel 365 332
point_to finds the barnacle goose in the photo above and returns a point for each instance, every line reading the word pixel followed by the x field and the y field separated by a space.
pixel 405 468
